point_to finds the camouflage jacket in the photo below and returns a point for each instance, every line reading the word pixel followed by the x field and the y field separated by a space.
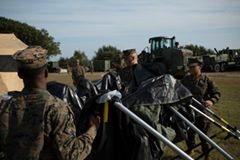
pixel 202 88
pixel 77 72
pixel 35 125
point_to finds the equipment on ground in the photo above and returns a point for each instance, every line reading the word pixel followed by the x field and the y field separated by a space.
pixel 114 95
pixel 232 130
pixel 210 141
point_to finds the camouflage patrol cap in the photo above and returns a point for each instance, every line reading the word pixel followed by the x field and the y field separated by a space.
pixel 33 57
pixel 194 62
pixel 127 52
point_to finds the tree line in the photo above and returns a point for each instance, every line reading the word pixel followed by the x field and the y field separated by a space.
pixel 30 35
pixel 33 36
pixel 198 50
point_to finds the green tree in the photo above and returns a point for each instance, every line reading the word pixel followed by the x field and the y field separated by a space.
pixel 82 57
pixel 30 35
pixel 198 50
pixel 108 53
pixel 63 62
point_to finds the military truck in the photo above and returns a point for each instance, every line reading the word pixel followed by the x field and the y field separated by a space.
pixel 222 60
pixel 165 50
pixel 101 65
pixel 53 67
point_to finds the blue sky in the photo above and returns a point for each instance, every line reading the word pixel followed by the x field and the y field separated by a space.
pixel 87 25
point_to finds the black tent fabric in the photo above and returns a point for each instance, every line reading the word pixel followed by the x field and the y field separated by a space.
pixel 150 102
pixel 162 90
pixel 86 89
pixel 120 138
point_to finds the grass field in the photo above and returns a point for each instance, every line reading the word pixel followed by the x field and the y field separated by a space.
pixel 67 79
pixel 228 108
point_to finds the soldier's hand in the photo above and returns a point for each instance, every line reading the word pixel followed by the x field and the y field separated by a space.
pixel 208 103
pixel 94 121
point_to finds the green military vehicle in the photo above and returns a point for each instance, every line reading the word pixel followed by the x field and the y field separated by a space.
pixel 53 67
pixel 165 50
pixel 101 65
pixel 222 60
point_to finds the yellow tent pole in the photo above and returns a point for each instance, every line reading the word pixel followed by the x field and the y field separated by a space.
pixel 105 112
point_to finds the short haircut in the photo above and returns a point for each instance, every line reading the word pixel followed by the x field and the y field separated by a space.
pixel 30 73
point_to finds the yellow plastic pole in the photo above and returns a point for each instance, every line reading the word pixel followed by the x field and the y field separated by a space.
pixel 105 112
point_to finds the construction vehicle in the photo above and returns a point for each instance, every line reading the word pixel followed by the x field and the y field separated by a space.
pixel 165 50
pixel 222 60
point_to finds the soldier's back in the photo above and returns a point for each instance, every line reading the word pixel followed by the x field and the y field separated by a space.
pixel 22 123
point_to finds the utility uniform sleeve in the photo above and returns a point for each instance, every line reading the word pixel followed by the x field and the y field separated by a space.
pixel 61 128
pixel 83 71
pixel 213 91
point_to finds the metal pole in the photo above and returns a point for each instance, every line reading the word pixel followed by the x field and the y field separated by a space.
pixel 152 130
pixel 214 122
pixel 216 116
pixel 213 136
pixel 224 153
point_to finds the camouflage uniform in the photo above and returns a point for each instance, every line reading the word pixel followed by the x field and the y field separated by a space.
pixel 143 145
pixel 202 89
pixel 35 125
pixel 77 72
pixel 132 76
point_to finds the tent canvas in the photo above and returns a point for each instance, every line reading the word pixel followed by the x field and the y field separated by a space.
pixel 9 80
pixel 10 44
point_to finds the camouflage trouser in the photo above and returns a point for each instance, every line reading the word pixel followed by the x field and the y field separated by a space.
pixel 203 124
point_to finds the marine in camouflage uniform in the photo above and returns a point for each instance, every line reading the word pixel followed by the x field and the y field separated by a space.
pixel 143 145
pixel 206 92
pixel 133 74
pixel 77 72
pixel 34 124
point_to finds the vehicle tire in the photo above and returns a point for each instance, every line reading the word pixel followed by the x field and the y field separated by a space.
pixel 217 68
pixel 211 68
pixel 223 67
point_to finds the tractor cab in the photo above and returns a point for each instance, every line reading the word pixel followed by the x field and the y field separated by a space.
pixel 157 43
pixel 165 50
